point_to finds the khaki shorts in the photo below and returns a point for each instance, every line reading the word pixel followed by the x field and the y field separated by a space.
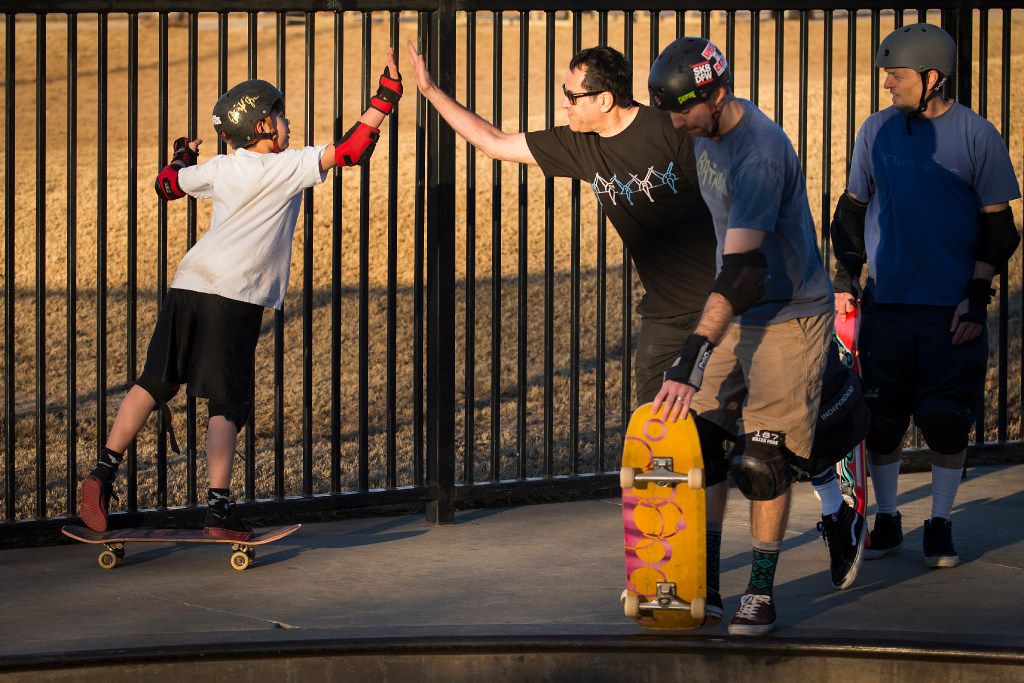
pixel 768 378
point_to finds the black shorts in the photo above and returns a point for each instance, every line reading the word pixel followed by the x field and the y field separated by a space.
pixel 910 366
pixel 659 344
pixel 206 342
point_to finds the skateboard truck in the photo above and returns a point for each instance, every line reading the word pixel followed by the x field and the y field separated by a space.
pixel 665 598
pixel 661 474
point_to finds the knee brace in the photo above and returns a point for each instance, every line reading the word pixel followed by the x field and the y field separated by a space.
pixel 759 465
pixel 233 412
pixel 886 434
pixel 712 448
pixel 944 432
pixel 161 391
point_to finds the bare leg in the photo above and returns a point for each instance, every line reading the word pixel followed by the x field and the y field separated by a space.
pixel 221 435
pixel 131 415
pixel 768 518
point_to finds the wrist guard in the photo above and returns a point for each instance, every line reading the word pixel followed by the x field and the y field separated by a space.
pixel 743 280
pixel 388 93
pixel 845 282
pixel 979 294
pixel 693 359
pixel 356 145
pixel 167 187
pixel 183 154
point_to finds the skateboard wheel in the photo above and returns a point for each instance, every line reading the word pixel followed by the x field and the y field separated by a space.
pixel 697 609
pixel 240 560
pixel 108 559
pixel 631 605
pixel 627 477
pixel 695 478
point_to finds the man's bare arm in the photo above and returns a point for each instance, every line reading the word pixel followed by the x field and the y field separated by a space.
pixel 480 133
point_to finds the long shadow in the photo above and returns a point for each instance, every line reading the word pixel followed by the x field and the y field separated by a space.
pixel 363 536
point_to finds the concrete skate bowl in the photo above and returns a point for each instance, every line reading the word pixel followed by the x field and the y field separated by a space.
pixel 643 657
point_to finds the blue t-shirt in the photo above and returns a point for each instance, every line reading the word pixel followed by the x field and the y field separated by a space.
pixel 924 193
pixel 751 178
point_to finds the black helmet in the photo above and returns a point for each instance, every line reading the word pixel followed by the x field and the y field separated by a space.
pixel 920 47
pixel 687 71
pixel 239 110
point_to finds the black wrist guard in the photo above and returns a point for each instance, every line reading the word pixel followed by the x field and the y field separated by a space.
pixel 689 367
pixel 388 93
pixel 846 282
pixel 183 154
pixel 979 294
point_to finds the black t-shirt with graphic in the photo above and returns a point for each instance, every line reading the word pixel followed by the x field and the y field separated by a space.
pixel 646 179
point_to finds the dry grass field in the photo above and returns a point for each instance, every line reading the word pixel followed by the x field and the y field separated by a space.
pixel 53 277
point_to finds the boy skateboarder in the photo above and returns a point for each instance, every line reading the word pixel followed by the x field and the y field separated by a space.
pixel 209 323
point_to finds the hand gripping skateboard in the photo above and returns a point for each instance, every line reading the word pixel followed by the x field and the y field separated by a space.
pixel 851 469
pixel 242 555
pixel 664 517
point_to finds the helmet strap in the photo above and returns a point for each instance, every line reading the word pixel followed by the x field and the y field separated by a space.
pixel 716 117
pixel 271 135
pixel 926 97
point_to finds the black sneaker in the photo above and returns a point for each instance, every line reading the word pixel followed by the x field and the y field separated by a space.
pixel 713 609
pixel 94 499
pixel 756 615
pixel 224 523
pixel 844 535
pixel 938 543
pixel 886 538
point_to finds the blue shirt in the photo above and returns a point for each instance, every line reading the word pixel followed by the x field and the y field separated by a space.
pixel 751 178
pixel 925 192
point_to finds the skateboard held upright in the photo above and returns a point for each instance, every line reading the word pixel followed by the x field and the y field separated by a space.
pixel 664 518
pixel 852 468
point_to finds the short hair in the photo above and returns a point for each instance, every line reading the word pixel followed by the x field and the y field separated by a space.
pixel 607 70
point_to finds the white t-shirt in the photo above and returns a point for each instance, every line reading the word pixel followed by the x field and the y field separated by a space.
pixel 246 254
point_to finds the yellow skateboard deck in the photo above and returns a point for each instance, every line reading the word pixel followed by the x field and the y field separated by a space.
pixel 664 518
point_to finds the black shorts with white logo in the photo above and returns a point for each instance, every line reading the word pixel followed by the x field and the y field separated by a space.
pixel 206 342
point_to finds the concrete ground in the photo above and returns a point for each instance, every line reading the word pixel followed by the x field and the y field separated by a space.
pixel 535 570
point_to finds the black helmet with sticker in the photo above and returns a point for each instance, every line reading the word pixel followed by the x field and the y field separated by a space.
pixel 239 110
pixel 687 72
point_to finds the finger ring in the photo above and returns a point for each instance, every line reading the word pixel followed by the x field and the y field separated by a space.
pixel 679 398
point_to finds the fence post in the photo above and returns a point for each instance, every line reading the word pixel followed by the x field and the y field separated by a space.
pixel 959 23
pixel 441 276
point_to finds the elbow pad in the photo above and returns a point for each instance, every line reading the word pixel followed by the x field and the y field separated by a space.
pixel 847 232
pixel 743 280
pixel 998 239
pixel 356 145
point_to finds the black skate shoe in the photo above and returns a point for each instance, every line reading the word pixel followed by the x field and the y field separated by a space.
pixel 94 498
pixel 222 522
pixel 938 543
pixel 713 610
pixel 886 538
pixel 843 533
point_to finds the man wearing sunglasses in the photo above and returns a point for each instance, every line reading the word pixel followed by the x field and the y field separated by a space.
pixel 641 170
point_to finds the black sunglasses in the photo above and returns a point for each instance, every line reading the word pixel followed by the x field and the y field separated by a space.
pixel 573 96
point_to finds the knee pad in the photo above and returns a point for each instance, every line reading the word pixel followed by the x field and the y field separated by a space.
pixel 886 434
pixel 759 465
pixel 234 412
pixel 944 432
pixel 161 391
pixel 712 448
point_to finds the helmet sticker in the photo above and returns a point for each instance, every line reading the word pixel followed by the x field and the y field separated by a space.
pixel 686 96
pixel 216 120
pixel 720 65
pixel 702 73
pixel 709 50
pixel 242 106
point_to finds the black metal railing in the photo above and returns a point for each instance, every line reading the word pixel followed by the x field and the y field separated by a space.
pixel 504 371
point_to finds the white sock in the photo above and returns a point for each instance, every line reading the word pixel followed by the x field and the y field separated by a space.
pixel 831 497
pixel 884 481
pixel 945 482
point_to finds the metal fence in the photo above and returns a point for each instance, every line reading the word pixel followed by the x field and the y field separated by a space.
pixel 452 353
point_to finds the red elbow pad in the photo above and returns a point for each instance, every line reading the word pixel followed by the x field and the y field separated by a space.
pixel 167 184
pixel 356 145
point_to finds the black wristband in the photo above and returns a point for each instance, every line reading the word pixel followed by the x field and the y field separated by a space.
pixel 846 281
pixel 979 294
pixel 693 359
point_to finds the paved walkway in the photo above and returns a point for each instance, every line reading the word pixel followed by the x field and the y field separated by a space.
pixel 535 570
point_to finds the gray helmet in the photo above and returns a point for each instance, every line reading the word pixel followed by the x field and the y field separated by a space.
pixel 920 47
pixel 687 72
pixel 239 110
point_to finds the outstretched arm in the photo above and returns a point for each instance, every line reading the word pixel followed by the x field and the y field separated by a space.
pixel 356 145
pixel 477 132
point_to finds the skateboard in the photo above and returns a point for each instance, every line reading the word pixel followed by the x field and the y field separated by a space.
pixel 664 518
pixel 851 469
pixel 242 555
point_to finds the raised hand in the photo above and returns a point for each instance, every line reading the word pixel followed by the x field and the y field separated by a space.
pixel 419 67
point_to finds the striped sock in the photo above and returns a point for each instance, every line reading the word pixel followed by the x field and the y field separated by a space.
pixel 763 564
